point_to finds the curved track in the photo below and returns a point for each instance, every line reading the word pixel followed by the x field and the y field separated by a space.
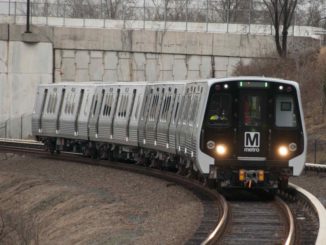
pixel 260 218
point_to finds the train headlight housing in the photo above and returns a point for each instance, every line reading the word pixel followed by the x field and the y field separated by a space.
pixel 221 149
pixel 283 151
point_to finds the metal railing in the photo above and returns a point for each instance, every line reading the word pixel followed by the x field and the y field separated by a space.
pixel 247 13
pixel 3 130
pixel 317 151
pixel 18 127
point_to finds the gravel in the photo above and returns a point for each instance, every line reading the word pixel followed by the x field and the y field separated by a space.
pixel 313 182
pixel 44 201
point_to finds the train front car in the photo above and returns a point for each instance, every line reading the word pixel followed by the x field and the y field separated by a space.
pixel 254 130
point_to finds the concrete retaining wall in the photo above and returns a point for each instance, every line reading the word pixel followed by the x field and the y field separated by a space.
pixel 79 54
pixel 23 65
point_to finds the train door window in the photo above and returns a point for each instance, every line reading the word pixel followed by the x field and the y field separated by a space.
pixel 48 105
pixel 219 110
pixel 252 111
pixel 73 103
pixel 95 101
pixel 176 110
pixel 147 99
pixel 137 107
pixel 125 106
pixel 120 104
pixel 193 110
pixel 153 108
pixel 285 115
pixel 85 107
pixel 132 105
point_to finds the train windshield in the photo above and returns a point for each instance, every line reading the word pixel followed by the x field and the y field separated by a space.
pixel 219 110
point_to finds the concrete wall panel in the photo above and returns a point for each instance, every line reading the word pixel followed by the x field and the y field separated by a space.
pixel 124 70
pixel 110 76
pixel 152 71
pixel 30 58
pixel 68 69
pixel 179 68
pixel 82 59
pixel 82 75
pixel 205 67
pixel 96 69
pixel 110 60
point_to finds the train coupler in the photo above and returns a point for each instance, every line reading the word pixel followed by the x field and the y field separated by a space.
pixel 251 177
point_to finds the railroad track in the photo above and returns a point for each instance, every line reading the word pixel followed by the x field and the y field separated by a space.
pixel 259 218
pixel 263 219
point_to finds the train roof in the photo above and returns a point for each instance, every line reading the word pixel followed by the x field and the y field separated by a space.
pixel 180 82
pixel 252 78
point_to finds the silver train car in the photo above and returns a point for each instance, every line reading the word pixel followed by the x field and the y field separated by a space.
pixel 243 132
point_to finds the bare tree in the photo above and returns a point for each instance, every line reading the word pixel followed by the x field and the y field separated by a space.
pixel 82 9
pixel 113 8
pixel 230 11
pixel 314 13
pixel 281 13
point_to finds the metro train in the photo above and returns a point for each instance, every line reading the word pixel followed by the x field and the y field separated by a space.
pixel 245 132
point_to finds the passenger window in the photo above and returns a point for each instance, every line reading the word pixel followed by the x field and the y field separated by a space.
pixel 95 105
pixel 85 106
pixel 219 110
pixel 285 115
pixel 137 108
pixel 252 114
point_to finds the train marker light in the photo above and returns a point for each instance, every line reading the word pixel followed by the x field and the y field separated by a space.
pixel 226 86
pixel 261 176
pixel 242 175
pixel 280 87
pixel 283 151
pixel 221 150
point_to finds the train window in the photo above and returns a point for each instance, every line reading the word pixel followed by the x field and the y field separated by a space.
pixel 176 109
pixel 105 107
pixel 193 110
pixel 137 108
pixel 73 104
pixel 85 107
pixel 285 115
pixel 219 110
pixel 154 107
pixel 109 105
pixel 125 106
pixel 147 99
pixel 54 102
pixel 252 114
pixel 49 103
pixel 95 105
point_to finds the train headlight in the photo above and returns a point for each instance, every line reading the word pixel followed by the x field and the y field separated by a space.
pixel 221 149
pixel 283 151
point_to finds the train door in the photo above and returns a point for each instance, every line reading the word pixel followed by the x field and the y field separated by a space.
pixel 253 130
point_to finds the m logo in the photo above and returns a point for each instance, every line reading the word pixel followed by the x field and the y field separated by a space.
pixel 252 139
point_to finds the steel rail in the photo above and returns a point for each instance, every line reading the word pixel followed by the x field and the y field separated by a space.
pixel 291 234
pixel 315 166
pixel 220 228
